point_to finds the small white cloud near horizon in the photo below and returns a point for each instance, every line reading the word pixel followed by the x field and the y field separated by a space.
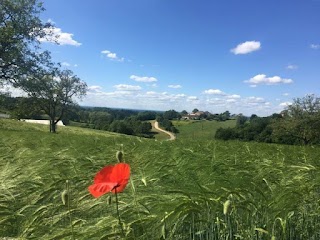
pixel 13 92
pixel 234 96
pixel 285 94
pixel 315 46
pixel 285 104
pixel 175 86
pixel 292 67
pixel 214 92
pixel 263 79
pixel 125 87
pixel 246 47
pixel 55 35
pixel 95 88
pixel 112 56
pixel 143 79
pixel 192 98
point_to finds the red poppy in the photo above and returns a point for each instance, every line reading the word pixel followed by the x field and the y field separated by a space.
pixel 110 178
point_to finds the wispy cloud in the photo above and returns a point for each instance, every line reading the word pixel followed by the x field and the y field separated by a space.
pixel 246 47
pixel 143 79
pixel 125 87
pixel 65 64
pixel 285 104
pixel 175 86
pixel 95 88
pixel 263 79
pixel 292 67
pixel 214 92
pixel 315 46
pixel 14 92
pixel 112 56
pixel 56 35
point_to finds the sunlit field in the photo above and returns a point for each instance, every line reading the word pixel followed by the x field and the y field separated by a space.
pixel 195 129
pixel 182 189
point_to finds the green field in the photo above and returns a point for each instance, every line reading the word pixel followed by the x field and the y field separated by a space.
pixel 183 189
pixel 205 130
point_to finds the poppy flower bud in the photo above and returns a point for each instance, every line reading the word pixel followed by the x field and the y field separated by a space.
pixel 226 206
pixel 64 197
pixel 119 156
pixel 144 181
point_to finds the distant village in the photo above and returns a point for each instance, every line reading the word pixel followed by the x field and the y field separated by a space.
pixel 200 115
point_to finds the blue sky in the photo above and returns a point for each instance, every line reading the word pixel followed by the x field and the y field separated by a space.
pixel 243 56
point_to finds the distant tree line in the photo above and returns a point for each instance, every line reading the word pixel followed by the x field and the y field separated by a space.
pixel 299 124
pixel 124 121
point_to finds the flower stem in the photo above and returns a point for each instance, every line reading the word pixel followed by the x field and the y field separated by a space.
pixel 118 213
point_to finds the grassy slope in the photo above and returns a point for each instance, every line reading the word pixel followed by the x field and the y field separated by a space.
pixel 177 188
pixel 204 130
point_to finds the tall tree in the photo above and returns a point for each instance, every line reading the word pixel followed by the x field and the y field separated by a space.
pixel 20 31
pixel 54 91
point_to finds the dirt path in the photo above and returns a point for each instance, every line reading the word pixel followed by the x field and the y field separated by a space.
pixel 156 126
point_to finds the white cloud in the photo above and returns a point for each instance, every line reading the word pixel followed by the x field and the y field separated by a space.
pixel 14 92
pixel 263 79
pixel 285 94
pixel 94 88
pixel 315 46
pixel 292 67
pixel 234 96
pixel 214 92
pixel 231 100
pixel 55 35
pixel 246 47
pixel 125 87
pixel 143 79
pixel 255 99
pixel 112 56
pixel 175 86
pixel 65 64
pixel 285 104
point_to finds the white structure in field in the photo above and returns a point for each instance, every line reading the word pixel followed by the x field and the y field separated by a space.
pixel 46 122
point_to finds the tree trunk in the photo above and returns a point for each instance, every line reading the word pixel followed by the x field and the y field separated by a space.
pixel 52 126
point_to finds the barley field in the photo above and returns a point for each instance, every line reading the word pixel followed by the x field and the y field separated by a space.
pixel 184 189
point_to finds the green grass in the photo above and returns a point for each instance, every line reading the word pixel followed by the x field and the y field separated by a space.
pixel 177 189
pixel 204 130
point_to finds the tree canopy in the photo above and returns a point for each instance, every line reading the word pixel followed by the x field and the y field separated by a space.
pixel 20 31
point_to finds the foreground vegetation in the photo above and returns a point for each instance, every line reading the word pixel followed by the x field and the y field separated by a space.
pixel 183 189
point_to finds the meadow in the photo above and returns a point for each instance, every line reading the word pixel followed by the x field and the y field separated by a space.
pixel 190 188
pixel 200 129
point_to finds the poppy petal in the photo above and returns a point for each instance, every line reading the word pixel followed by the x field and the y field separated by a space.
pixel 104 174
pixel 120 187
pixel 98 189
pixel 120 173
